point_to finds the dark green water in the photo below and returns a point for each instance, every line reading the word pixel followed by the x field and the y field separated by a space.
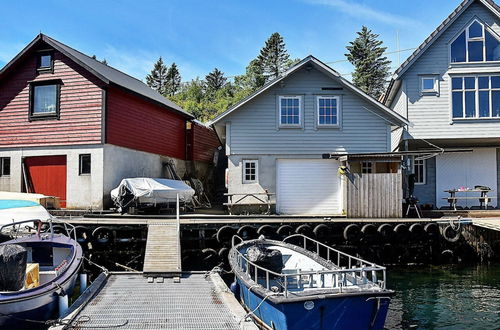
pixel 445 297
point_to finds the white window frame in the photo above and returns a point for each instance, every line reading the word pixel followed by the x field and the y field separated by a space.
pixel 367 167
pixel 2 159
pixel 435 84
pixel 421 162
pixel 476 90
pixel 296 97
pixel 467 39
pixel 339 110
pixel 244 167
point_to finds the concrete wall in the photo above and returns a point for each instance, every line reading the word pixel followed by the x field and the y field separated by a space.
pixel 82 191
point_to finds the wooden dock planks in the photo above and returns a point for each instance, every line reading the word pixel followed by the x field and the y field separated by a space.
pixel 163 254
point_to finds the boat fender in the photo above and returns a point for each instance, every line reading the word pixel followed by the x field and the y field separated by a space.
pixel 82 234
pixel 386 231
pixel 235 289
pixel 285 231
pixel 401 231
pixel 322 232
pixel 432 229
pixel 304 230
pixel 351 232
pixel 447 256
pixel 209 254
pixel 369 233
pixel 417 231
pixel 224 234
pixel 450 234
pixel 266 231
pixel 102 235
pixel 247 232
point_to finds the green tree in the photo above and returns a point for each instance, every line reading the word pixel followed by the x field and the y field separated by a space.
pixel 253 78
pixel 273 57
pixel 158 77
pixel 371 67
pixel 172 80
pixel 215 80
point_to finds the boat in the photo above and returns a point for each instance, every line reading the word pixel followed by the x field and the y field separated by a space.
pixel 36 272
pixel 14 210
pixel 307 285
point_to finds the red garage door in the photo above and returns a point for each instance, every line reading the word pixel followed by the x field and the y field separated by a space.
pixel 48 175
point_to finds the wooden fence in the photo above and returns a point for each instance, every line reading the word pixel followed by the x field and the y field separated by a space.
pixel 374 195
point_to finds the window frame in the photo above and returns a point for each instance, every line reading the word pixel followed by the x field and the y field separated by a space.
pixel 244 164
pixel 476 91
pixel 485 28
pixel 301 115
pixel 80 164
pixel 424 170
pixel 435 87
pixel 49 115
pixel 367 167
pixel 339 110
pixel 2 161
pixel 41 69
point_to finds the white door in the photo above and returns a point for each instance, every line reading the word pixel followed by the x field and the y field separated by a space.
pixel 308 186
pixel 456 170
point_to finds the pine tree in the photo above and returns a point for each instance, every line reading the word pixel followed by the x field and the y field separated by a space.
pixel 253 78
pixel 172 80
pixel 273 57
pixel 158 77
pixel 371 67
pixel 215 80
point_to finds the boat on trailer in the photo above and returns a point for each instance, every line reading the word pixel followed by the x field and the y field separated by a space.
pixel 37 270
pixel 308 285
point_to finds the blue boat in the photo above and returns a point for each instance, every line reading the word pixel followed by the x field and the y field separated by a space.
pixel 308 285
pixel 58 259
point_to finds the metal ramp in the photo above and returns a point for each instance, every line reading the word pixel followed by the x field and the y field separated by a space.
pixel 163 249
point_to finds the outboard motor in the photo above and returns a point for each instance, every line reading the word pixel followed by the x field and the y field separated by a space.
pixel 13 259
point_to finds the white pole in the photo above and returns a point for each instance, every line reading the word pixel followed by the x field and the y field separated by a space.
pixel 63 305
pixel 83 282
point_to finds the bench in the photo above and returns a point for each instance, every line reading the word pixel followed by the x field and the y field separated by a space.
pixel 261 199
pixel 452 200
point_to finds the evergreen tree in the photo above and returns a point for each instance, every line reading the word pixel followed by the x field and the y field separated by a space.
pixel 172 80
pixel 253 79
pixel 273 57
pixel 158 77
pixel 215 80
pixel 371 67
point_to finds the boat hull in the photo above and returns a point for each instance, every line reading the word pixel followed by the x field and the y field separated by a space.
pixel 343 312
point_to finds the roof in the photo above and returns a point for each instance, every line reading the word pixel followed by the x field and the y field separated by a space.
pixel 490 4
pixel 105 73
pixel 389 114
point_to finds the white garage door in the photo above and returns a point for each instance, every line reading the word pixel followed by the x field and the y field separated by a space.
pixel 456 170
pixel 308 186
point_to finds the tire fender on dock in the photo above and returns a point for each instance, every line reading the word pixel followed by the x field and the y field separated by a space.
pixel 401 232
pixel 102 235
pixel 386 231
pixel 369 233
pixel 247 232
pixel 450 234
pixel 266 230
pixel 322 233
pixel 351 232
pixel 284 231
pixel 305 230
pixel 225 234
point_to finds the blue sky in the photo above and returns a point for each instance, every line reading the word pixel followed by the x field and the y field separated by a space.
pixel 201 35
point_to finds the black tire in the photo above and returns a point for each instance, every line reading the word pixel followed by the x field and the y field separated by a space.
pixel 210 258
pixel 285 231
pixel 386 232
pixel 225 234
pixel 83 235
pixel 432 229
pixel 267 231
pixel 451 235
pixel 247 232
pixel 401 232
pixel 322 233
pixel 103 235
pixel 305 230
pixel 370 234
pixel 417 232
pixel 351 233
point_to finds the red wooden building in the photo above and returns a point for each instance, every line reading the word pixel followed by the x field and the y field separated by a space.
pixel 73 127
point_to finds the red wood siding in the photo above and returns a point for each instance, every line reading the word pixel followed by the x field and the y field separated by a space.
pixel 80 106
pixel 135 123
pixel 205 141
pixel 48 175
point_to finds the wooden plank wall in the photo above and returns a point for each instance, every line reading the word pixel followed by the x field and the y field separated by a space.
pixel 375 195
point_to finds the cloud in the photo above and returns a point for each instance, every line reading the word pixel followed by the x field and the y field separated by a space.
pixel 362 11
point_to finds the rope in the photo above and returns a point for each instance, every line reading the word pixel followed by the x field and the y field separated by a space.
pixel 98 266
pixel 244 318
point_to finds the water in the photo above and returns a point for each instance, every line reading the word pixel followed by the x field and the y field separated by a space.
pixel 445 297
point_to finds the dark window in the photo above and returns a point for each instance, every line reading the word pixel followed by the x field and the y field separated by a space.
pixel 84 164
pixel 475 44
pixel 45 62
pixel 4 166
pixel 44 99
pixel 476 97
pixel 458 49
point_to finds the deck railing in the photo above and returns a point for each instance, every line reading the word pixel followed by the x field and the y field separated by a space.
pixel 356 272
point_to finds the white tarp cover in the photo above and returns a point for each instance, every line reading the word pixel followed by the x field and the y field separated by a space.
pixel 149 190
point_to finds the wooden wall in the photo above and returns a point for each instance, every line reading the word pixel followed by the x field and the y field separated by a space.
pixel 377 195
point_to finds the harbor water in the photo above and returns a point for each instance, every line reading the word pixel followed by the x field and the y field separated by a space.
pixel 445 297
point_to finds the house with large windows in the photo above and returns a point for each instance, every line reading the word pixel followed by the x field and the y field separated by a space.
pixel 73 127
pixel 276 139
pixel 449 89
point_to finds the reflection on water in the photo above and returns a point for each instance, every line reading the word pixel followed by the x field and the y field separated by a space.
pixel 445 297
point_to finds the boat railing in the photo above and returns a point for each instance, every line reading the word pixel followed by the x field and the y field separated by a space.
pixel 355 273
pixel 68 228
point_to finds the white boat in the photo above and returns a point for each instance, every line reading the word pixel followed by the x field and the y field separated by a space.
pixel 14 210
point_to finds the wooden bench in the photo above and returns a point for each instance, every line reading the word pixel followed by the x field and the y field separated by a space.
pixel 482 200
pixel 263 198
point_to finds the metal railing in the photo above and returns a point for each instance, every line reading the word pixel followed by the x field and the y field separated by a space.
pixel 356 273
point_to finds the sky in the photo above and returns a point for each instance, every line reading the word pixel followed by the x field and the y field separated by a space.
pixel 201 35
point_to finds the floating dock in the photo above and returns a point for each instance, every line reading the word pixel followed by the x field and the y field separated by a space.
pixel 130 301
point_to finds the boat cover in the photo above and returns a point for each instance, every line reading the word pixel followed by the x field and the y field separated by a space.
pixel 149 190
pixel 13 258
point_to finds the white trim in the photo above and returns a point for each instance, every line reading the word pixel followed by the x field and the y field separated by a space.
pixel 301 115
pixel 228 138
pixel 476 91
pixel 424 171
pixel 434 89
pixel 338 110
pixel 243 171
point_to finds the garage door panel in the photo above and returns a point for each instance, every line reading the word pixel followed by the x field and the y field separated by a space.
pixel 47 175
pixel 308 186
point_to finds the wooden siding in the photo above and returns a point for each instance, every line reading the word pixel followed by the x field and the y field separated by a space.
pixel 254 127
pixel 204 143
pixel 80 106
pixel 431 114
pixel 377 195
pixel 426 193
pixel 135 123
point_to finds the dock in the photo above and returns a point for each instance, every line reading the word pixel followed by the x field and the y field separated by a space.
pixel 163 249
pixel 129 301
pixel 488 223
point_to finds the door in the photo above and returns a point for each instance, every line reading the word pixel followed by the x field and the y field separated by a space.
pixel 47 175
pixel 308 186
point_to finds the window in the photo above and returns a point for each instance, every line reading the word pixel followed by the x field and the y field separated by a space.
pixel 290 111
pixel 475 44
pixel 4 166
pixel 366 167
pixel 475 97
pixel 84 167
pixel 44 99
pixel 250 171
pixel 428 85
pixel 419 170
pixel 328 110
